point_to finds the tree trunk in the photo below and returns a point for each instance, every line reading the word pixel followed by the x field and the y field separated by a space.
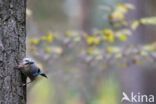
pixel 12 50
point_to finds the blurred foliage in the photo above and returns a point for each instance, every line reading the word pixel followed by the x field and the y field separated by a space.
pixel 108 93
pixel 103 48
pixel 44 91
pixel 102 44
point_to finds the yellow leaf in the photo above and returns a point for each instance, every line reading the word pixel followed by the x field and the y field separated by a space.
pixel 48 50
pixel 44 38
pixel 109 35
pixel 130 6
pixel 122 37
pixel 144 53
pixel 148 21
pixel 57 50
pixel 34 41
pixel 121 7
pixel 113 50
pixel 90 51
pixel 149 47
pixel 117 16
pixel 69 33
pixel 50 37
pixel 75 35
pixel 118 55
pixel 93 40
pixel 135 25
pixel 108 32
pixel 125 7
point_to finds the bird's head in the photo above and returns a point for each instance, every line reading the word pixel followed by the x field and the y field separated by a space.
pixel 27 61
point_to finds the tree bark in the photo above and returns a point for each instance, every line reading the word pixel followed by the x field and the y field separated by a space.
pixel 12 50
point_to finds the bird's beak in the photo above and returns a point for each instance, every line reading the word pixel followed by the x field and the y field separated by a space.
pixel 44 75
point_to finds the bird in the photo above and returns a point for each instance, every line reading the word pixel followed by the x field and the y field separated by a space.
pixel 29 68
